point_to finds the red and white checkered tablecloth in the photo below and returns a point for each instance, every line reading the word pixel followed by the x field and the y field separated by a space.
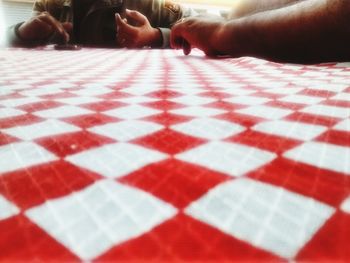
pixel 151 156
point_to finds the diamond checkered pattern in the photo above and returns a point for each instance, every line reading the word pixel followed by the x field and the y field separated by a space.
pixel 147 155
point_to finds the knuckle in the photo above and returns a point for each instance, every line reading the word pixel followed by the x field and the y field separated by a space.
pixel 44 14
pixel 37 21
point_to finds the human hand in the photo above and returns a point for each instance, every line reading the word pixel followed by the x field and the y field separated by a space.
pixel 197 32
pixel 42 26
pixel 135 31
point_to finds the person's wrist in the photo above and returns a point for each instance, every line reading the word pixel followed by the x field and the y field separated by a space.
pixel 218 38
pixel 156 38
pixel 231 38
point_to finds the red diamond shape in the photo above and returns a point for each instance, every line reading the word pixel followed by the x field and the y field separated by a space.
pixel 23 241
pixel 223 105
pixel 341 138
pixel 38 106
pixel 264 141
pixel 105 105
pixel 286 105
pixel 338 103
pixel 70 143
pixel 331 243
pixel 6 139
pixel 176 182
pixel 168 119
pixel 169 141
pixel 242 119
pixel 90 120
pixel 11 96
pixel 26 119
pixel 267 94
pixel 60 95
pixel 164 94
pixel 115 94
pixel 324 185
pixel 164 105
pixel 35 185
pixel 314 119
pixel 215 94
pixel 183 239
pixel 318 93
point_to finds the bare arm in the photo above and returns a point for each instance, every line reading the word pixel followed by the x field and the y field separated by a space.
pixel 308 31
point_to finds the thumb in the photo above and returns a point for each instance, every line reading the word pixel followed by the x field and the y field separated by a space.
pixel 186 47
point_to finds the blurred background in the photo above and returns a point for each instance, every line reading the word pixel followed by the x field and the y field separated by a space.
pixel 14 11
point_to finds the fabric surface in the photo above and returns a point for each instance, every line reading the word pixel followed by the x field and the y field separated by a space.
pixel 151 156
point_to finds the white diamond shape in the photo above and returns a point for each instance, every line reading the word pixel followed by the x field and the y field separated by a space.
pixel 294 130
pixel 4 91
pixel 237 91
pixel 14 87
pixel 342 96
pixel 9 112
pixel 22 155
pixel 132 112
pixel 345 206
pixel 209 128
pixel 127 130
pixel 142 89
pixel 232 159
pixel 42 129
pixel 20 101
pixel 116 160
pixel 59 85
pixel 265 83
pixel 62 112
pixel 78 100
pixel 187 90
pixel 41 91
pixel 343 126
pixel 284 90
pixel 192 100
pixel 247 100
pixel 137 100
pixel 266 112
pixel 197 111
pixel 263 215
pixel 94 91
pixel 7 209
pixel 322 155
pixel 302 99
pixel 101 216
pixel 330 111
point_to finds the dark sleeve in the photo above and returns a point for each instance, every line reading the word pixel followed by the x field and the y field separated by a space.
pixel 12 37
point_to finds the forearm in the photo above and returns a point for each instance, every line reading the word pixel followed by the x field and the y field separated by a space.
pixel 309 31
